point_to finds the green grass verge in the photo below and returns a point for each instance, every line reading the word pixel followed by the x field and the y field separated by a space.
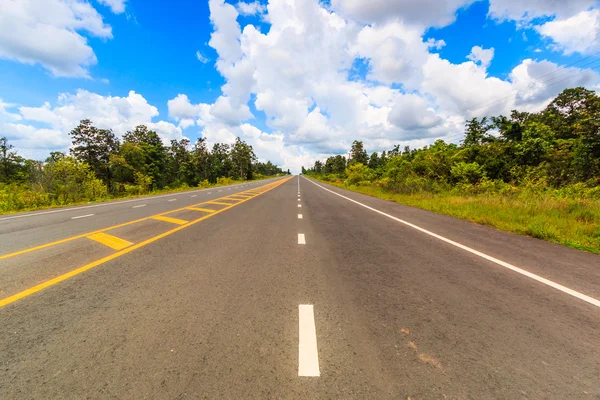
pixel 109 199
pixel 571 222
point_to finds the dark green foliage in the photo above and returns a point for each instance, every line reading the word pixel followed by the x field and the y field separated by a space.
pixel 555 148
pixel 100 166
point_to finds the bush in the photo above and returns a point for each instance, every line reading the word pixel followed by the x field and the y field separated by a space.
pixel 469 173
pixel 224 181
pixel 204 184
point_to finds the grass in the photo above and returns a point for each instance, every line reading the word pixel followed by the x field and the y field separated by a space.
pixel 571 222
pixel 4 211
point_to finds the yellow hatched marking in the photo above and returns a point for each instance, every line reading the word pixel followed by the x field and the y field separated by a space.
pixel 109 240
pixel 208 210
pixel 34 289
pixel 169 219
pixel 219 203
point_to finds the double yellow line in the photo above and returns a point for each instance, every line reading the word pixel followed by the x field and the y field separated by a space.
pixel 128 249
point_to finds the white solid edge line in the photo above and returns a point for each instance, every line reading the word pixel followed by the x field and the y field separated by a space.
pixel 301 238
pixel 139 205
pixel 299 216
pixel 504 264
pixel 114 203
pixel 308 354
pixel 83 216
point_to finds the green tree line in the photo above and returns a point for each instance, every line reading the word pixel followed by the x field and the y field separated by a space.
pixel 556 148
pixel 99 165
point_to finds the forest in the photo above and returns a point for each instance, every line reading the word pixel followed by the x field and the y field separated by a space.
pixel 100 166
pixel 532 173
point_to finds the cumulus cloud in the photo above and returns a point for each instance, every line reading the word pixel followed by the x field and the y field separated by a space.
pixel 526 11
pixel 116 6
pixel 577 34
pixel 297 74
pixel 5 113
pixel 109 112
pixel 51 33
pixel 482 56
pixel 302 75
pixel 424 13
pixel 251 8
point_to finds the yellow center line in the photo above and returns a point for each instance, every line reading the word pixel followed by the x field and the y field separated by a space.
pixel 109 240
pixel 83 235
pixel 70 274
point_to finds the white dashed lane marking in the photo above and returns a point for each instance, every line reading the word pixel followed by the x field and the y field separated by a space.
pixel 308 354
pixel 301 238
pixel 83 216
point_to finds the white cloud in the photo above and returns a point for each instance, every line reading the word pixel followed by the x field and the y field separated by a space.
pixel 31 142
pixel 201 57
pixel 251 8
pixel 482 56
pixel 577 34
pixel 396 52
pixel 418 12
pixel 526 11
pixel 7 114
pixel 537 82
pixel 49 32
pixel 298 74
pixel 116 6
pixel 108 112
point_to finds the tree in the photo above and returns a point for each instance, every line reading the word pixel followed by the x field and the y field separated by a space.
pixel 221 165
pixel 358 153
pixel 9 161
pixel 318 167
pixel 200 160
pixel 149 154
pixel 179 163
pixel 94 147
pixel 242 156
pixel 477 132
pixel 374 160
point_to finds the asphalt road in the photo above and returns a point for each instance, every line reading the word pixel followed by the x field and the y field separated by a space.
pixel 358 298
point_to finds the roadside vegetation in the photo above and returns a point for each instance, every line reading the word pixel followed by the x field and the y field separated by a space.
pixel 536 174
pixel 100 167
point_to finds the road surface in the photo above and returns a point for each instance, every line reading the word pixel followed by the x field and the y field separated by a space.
pixel 290 289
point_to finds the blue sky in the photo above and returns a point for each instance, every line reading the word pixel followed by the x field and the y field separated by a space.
pixel 298 79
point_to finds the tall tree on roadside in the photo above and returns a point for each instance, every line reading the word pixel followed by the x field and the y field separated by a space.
pixel 374 160
pixel 180 168
pixel 358 153
pixel 242 156
pixel 153 151
pixel 8 161
pixel 94 147
pixel 200 160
